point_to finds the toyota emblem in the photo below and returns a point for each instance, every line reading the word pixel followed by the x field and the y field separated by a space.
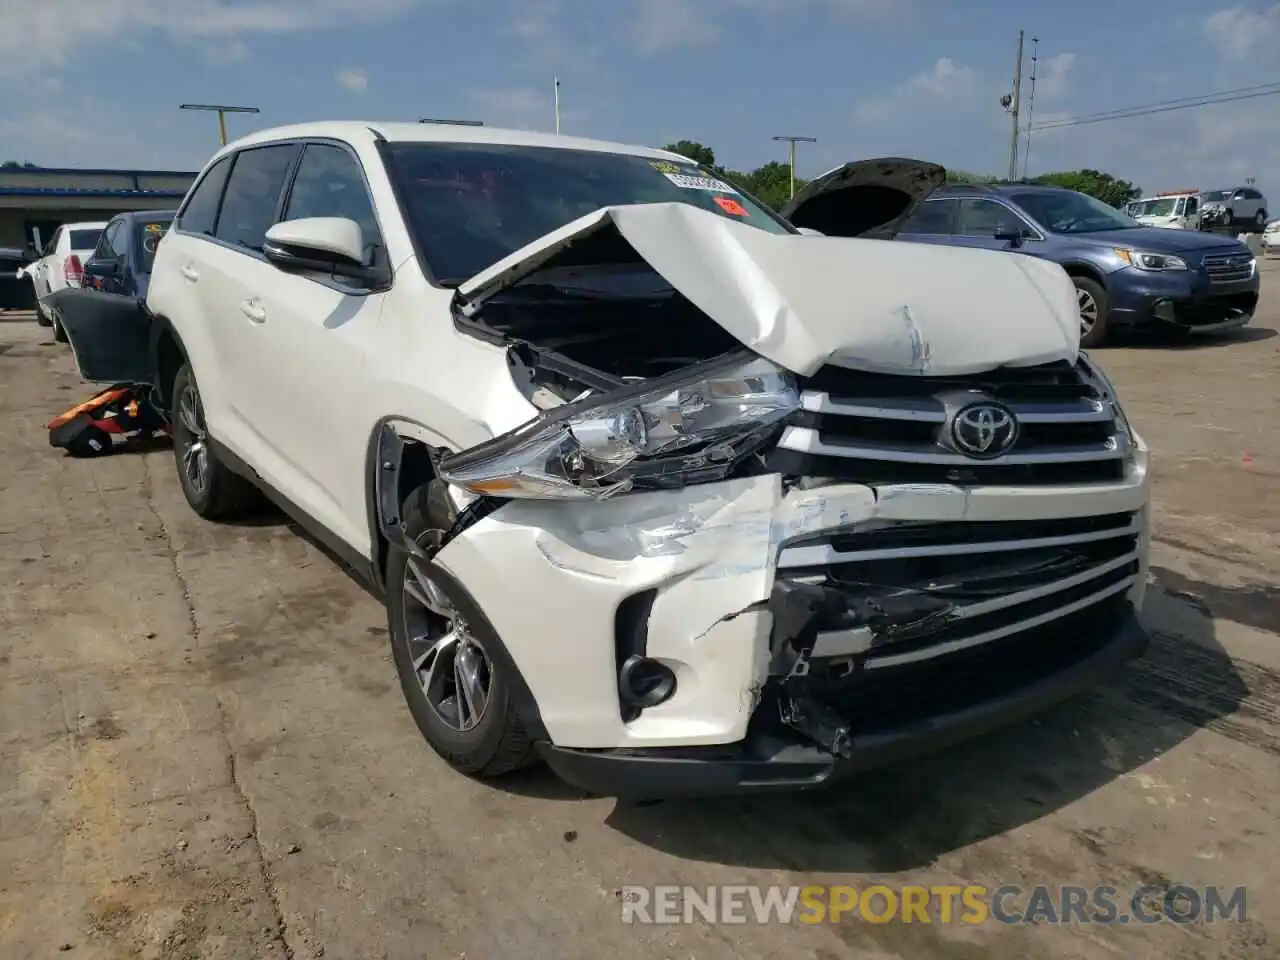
pixel 984 430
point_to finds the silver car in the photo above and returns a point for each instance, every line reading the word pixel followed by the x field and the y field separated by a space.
pixel 1237 206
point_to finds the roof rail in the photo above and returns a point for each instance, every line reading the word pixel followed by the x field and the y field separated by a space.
pixel 456 123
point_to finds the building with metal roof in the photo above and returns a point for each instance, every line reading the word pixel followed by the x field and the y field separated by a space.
pixel 34 201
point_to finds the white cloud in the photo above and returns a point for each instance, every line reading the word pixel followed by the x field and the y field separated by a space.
pixel 357 81
pixel 663 25
pixel 945 83
pixel 1053 75
pixel 47 31
pixel 1239 31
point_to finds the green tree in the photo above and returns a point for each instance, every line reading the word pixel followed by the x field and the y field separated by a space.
pixel 1105 187
pixel 695 151
pixel 770 183
pixel 964 176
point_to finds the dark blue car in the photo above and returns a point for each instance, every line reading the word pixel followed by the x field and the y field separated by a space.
pixel 121 263
pixel 1126 275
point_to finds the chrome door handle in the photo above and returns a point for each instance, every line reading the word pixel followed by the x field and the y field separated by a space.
pixel 253 310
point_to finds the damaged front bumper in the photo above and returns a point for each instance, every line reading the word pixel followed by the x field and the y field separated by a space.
pixel 809 631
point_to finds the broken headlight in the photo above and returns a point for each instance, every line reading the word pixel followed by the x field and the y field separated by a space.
pixel 690 427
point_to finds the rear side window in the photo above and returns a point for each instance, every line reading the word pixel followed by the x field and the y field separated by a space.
pixel 201 212
pixel 147 239
pixel 933 216
pixel 330 183
pixel 253 194
pixel 84 239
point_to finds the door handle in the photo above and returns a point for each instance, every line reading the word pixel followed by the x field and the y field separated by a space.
pixel 253 310
pixel 190 273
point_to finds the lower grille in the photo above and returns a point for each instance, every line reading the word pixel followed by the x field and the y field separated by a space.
pixel 913 592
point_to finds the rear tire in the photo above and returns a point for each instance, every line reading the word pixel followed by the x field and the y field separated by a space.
pixel 1094 308
pixel 59 334
pixel 42 316
pixel 422 616
pixel 212 490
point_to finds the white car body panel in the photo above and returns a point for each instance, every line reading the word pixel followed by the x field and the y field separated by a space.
pixel 863 304
pixel 297 381
pixel 47 273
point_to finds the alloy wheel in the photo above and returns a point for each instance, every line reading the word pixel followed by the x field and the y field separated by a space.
pixel 195 449
pixel 452 667
pixel 1088 311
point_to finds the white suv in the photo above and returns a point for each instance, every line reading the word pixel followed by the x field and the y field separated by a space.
pixel 655 487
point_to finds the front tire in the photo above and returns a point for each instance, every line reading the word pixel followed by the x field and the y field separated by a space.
pixel 459 693
pixel 211 489
pixel 1091 299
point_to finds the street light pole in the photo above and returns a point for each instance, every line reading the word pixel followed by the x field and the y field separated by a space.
pixel 221 110
pixel 793 141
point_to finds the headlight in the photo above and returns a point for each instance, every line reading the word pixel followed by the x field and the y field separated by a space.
pixel 1151 262
pixel 689 427
pixel 1102 383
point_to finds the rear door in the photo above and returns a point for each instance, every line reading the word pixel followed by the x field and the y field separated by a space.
pixel 109 333
pixel 932 222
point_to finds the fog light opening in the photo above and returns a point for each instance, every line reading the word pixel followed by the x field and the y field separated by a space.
pixel 645 682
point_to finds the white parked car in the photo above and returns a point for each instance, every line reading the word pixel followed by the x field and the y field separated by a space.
pixel 1271 237
pixel 654 487
pixel 62 266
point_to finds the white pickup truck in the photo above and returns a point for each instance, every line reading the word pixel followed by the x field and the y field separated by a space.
pixel 656 488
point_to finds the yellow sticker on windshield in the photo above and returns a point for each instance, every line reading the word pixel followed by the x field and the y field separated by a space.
pixel 664 166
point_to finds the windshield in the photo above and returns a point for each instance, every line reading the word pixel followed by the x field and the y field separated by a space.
pixel 471 204
pixel 1065 211
pixel 1216 196
pixel 149 233
pixel 1163 207
pixel 85 239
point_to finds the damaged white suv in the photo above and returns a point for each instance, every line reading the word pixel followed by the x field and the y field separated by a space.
pixel 658 488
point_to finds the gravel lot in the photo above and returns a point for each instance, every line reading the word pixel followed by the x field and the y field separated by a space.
pixel 204 752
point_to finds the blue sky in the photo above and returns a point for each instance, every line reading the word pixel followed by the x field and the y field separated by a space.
pixel 866 77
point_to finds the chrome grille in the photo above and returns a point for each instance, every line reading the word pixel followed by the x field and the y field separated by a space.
pixel 871 428
pixel 919 590
pixel 1227 267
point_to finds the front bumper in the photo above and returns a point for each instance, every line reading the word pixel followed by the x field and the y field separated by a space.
pixel 765 762
pixel 687 577
pixel 1183 300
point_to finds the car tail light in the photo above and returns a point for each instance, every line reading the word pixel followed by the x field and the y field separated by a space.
pixel 72 270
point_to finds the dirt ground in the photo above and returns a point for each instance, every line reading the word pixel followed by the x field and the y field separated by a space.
pixel 204 752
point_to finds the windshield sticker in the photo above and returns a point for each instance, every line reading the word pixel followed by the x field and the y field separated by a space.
pixel 730 206
pixel 664 166
pixel 686 182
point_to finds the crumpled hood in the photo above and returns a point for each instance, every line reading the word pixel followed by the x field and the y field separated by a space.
pixel 803 302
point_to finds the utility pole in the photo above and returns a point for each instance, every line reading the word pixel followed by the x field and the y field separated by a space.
pixel 557 105
pixel 1011 102
pixel 221 110
pixel 1031 106
pixel 793 141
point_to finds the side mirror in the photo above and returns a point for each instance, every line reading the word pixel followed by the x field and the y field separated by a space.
pixel 1012 237
pixel 333 245
pixel 103 268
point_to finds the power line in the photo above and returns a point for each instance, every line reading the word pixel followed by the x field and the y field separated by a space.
pixel 1165 106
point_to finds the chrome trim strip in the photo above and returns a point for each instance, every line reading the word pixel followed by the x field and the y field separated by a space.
pixel 930 411
pixel 806 440
pixel 825 555
pixel 929 653
pixel 1045 589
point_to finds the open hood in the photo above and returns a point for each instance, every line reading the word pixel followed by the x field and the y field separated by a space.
pixel 864 198
pixel 802 302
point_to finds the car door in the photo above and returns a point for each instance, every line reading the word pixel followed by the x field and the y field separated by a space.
pixel 932 222
pixel 989 225
pixel 307 353
pixel 1241 205
pixel 40 277
pixel 103 269
pixel 220 268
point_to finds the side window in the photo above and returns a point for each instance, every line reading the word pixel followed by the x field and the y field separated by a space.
pixel 201 212
pixel 1192 205
pixel 330 183
pixel 932 216
pixel 986 218
pixel 253 194
pixel 110 244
